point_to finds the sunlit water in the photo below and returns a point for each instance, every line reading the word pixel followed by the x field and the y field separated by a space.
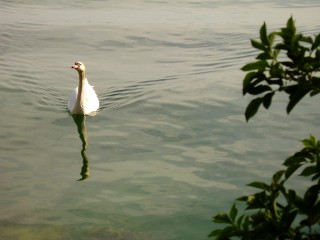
pixel 169 147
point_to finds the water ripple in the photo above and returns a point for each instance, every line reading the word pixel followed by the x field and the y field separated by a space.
pixel 118 97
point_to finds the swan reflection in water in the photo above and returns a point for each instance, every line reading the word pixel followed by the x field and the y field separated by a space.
pixel 80 121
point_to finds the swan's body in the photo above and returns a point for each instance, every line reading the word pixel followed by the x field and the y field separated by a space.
pixel 83 99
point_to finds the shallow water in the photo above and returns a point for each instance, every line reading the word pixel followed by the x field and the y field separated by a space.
pixel 168 148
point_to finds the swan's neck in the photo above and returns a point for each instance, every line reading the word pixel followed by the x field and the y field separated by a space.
pixel 78 107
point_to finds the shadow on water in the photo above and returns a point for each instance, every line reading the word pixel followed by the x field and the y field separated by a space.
pixel 80 121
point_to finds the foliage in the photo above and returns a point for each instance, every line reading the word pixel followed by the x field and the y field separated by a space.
pixel 289 62
pixel 278 207
pixel 276 211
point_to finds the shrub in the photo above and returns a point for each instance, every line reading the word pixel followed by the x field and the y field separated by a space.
pixel 288 62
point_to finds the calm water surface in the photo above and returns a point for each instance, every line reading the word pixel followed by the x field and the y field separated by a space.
pixel 169 147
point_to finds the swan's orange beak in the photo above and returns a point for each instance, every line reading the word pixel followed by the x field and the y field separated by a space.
pixel 75 66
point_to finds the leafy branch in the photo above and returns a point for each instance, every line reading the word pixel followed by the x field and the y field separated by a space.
pixel 276 206
pixel 291 65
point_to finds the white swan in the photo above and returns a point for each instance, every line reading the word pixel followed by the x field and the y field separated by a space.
pixel 83 99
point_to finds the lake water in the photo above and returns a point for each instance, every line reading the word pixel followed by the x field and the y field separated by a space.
pixel 169 147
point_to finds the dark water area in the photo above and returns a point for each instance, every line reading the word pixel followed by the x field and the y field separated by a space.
pixel 169 146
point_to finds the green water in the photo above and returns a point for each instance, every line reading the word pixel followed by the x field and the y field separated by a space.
pixel 169 146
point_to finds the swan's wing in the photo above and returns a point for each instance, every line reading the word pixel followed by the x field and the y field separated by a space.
pixel 90 99
pixel 72 99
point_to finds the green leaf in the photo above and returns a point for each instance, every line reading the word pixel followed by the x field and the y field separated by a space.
pixel 260 185
pixel 233 212
pixel 294 160
pixel 291 89
pixel 277 176
pixel 311 196
pixel 309 171
pixel 247 80
pixel 314 92
pixel 291 196
pixel 276 53
pixel 290 217
pixel 252 108
pixel 264 56
pixel 316 42
pixel 239 221
pixel 259 89
pixel 259 65
pixel 290 170
pixel 215 233
pixel 246 223
pixel 306 39
pixel 227 233
pixel 267 100
pixel 263 35
pixel 222 218
pixel 288 64
pixel 311 142
pixel 271 38
pixel 243 198
pixel 282 46
pixel 258 45
pixel 315 177
pixel 296 97
pixel 291 26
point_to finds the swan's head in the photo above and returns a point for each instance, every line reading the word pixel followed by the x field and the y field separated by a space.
pixel 79 66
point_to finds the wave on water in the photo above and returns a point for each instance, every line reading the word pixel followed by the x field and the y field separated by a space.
pixel 117 97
